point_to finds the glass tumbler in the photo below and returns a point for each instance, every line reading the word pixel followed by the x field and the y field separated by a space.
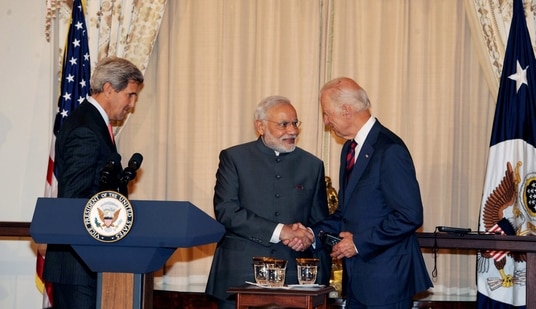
pixel 307 270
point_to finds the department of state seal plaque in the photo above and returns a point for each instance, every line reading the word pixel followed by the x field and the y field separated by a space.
pixel 108 216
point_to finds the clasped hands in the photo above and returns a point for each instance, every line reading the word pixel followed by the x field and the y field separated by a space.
pixel 296 236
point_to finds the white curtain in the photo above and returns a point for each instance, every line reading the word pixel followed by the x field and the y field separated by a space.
pixel 214 61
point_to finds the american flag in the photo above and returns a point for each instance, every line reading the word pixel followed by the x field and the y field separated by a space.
pixel 74 89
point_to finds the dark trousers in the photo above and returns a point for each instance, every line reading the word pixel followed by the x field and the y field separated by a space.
pixel 226 304
pixel 66 296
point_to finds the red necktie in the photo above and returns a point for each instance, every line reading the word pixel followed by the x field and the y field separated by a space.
pixel 350 159
pixel 111 131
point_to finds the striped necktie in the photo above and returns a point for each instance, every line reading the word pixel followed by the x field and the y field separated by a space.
pixel 350 159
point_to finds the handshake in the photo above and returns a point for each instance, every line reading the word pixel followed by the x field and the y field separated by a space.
pixel 300 238
pixel 297 236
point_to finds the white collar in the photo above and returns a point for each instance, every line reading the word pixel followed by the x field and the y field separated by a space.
pixel 99 108
pixel 362 134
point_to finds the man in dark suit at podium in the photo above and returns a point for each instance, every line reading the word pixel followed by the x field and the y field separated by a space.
pixel 84 145
pixel 262 188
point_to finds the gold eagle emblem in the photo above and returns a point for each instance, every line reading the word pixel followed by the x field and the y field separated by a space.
pixel 109 218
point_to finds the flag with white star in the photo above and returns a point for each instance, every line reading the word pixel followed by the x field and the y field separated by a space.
pixel 73 90
pixel 509 195
pixel 76 68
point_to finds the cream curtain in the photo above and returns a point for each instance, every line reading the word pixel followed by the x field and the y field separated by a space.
pixel 214 61
pixel 124 28
pixel 121 28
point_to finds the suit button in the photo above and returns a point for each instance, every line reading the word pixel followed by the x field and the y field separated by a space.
pixel 278 176
pixel 277 160
pixel 277 195
pixel 277 213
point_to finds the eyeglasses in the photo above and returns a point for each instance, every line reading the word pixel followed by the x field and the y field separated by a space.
pixel 284 124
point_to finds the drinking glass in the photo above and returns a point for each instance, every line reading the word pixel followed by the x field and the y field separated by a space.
pixel 260 268
pixel 275 273
pixel 307 270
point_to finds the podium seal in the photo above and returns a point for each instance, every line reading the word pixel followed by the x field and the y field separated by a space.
pixel 108 216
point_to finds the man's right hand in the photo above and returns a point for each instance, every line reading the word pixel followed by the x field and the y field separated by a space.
pixel 296 236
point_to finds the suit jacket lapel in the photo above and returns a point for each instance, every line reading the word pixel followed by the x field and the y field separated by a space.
pixel 98 124
pixel 363 159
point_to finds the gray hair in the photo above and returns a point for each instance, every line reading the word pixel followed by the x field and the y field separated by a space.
pixel 267 103
pixel 116 71
pixel 344 90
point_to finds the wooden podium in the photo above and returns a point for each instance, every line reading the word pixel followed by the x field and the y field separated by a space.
pixel 476 241
pixel 158 229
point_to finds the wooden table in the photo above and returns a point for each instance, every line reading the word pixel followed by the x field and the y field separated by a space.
pixel 476 241
pixel 307 298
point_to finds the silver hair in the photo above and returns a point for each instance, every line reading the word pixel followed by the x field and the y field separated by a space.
pixel 267 103
pixel 116 71
pixel 346 91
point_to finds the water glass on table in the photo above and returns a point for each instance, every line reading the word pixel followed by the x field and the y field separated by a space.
pixel 260 265
pixel 275 273
pixel 307 270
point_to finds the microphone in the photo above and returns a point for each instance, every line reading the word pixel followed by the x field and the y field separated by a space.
pixel 129 172
pixel 110 173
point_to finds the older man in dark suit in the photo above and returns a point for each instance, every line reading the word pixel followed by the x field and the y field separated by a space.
pixel 83 146
pixel 262 188
pixel 380 205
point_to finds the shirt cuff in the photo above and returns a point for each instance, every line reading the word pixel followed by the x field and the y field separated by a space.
pixel 314 237
pixel 277 232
